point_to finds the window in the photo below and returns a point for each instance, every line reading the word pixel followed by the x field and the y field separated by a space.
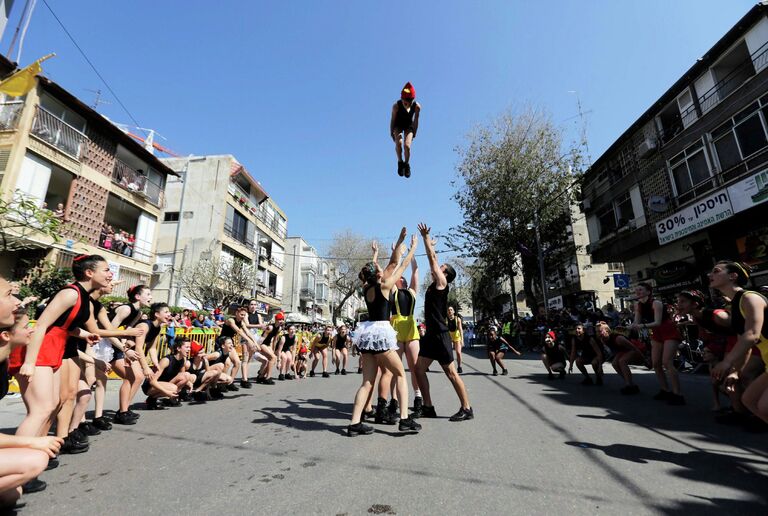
pixel 607 220
pixel 624 211
pixel 238 227
pixel 741 136
pixel 690 168
pixel 171 216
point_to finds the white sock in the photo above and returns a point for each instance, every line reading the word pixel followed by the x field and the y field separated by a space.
pixel 417 393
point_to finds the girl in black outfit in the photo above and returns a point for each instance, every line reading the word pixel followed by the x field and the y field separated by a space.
pixel 497 347
pixel 403 126
pixel 589 352
pixel 341 345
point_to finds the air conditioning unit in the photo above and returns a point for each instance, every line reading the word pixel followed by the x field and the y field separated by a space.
pixel 646 148
pixel 160 267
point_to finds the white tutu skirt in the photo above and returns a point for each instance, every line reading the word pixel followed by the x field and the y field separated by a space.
pixel 375 336
pixel 103 350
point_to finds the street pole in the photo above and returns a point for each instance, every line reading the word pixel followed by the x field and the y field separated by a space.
pixel 541 261
pixel 293 280
pixel 514 290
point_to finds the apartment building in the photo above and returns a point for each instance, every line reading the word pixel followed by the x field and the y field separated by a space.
pixel 306 289
pixel 686 183
pixel 58 151
pixel 216 209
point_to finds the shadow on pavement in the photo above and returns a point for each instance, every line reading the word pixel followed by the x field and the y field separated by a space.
pixel 700 466
pixel 307 415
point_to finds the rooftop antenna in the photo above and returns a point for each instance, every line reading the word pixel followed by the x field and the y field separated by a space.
pixel 583 133
pixel 97 100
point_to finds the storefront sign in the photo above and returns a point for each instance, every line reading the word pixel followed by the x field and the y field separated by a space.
pixel 555 302
pixel 709 210
pixel 674 272
pixel 749 192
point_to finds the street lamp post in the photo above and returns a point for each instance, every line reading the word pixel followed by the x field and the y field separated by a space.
pixel 541 260
pixel 183 176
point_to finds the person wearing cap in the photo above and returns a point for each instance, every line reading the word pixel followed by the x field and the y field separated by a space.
pixel 554 358
pixel 403 126
pixel 204 375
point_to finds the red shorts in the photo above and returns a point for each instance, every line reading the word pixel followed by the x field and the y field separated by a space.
pixel 667 331
pixel 639 344
pixel 50 355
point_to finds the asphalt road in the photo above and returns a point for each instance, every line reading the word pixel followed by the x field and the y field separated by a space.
pixel 535 447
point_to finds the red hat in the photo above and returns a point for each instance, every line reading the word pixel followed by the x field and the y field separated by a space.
pixel 195 348
pixel 279 316
pixel 409 92
pixel 552 335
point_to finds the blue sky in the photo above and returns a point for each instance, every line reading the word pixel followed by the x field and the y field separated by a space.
pixel 300 91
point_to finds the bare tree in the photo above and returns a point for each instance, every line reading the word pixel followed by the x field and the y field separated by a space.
pixel 350 252
pixel 217 282
pixel 22 218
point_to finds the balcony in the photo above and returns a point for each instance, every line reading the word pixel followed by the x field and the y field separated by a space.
pixel 10 112
pixel 277 263
pixel 309 266
pixel 240 235
pixel 56 132
pixel 307 294
pixel 136 182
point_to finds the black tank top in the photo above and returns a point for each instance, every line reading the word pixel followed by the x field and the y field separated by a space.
pixel 405 303
pixel 582 343
pixel 271 336
pixel 378 309
pixel 452 324
pixel 175 365
pixel 738 322
pixel 436 309
pixel 83 312
pixel 196 369
pixel 132 318
pixel 341 342
pixel 289 343
pixel 222 356
pixel 403 117
pixel 152 333
pixel 646 311
pixel 228 331
pixel 254 318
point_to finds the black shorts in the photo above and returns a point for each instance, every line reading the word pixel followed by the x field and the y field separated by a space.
pixel 145 387
pixel 555 355
pixel 199 378
pixel 400 130
pixel 118 355
pixel 71 348
pixel 373 351
pixel 588 355
pixel 438 347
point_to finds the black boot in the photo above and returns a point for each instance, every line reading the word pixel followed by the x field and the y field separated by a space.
pixel 382 417
pixel 393 408
pixel 418 403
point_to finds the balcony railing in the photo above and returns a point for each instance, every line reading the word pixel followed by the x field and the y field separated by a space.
pixel 52 129
pixel 307 293
pixel 10 112
pixel 136 182
pixel 728 84
pixel 240 236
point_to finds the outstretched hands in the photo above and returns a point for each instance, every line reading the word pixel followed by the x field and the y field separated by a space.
pixel 424 229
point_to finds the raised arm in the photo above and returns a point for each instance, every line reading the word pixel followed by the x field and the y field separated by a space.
pixel 388 281
pixel 434 265
pixel 414 283
pixel 394 259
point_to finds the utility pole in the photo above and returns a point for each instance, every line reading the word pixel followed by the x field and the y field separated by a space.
pixel 177 291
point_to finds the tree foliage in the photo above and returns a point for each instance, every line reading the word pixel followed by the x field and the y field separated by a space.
pixel 514 172
pixel 22 218
pixel 45 280
pixel 350 252
pixel 217 282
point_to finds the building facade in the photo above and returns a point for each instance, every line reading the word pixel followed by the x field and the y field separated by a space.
pixel 303 278
pixel 65 156
pixel 217 210
pixel 686 184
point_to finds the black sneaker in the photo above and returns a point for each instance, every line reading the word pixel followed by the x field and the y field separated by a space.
pixel 33 486
pixel 587 381
pixel 400 168
pixel 184 395
pixel 675 399
pixel 311 374
pixel 495 373
pixel 463 415
pixel 382 415
pixel 200 396
pixel 504 372
pixel 368 415
pixel 662 395
pixel 133 414
pixel 281 377
pixel 337 371
pixel 123 418
pixel 359 429
pixel 343 371
pixel 88 429
pixel 171 402
pixel 407 170
pixel 393 409
pixel 409 426
pixel 245 384
pixel 459 370
pixel 629 390
pixel 52 464
pixel 289 376
pixel 428 412
pixel 216 394
pixel 232 387
pixel 78 436
pixel 101 423
pixel 152 404
pixel 418 404
pixel 326 375
pixel 72 447
pixel 267 381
